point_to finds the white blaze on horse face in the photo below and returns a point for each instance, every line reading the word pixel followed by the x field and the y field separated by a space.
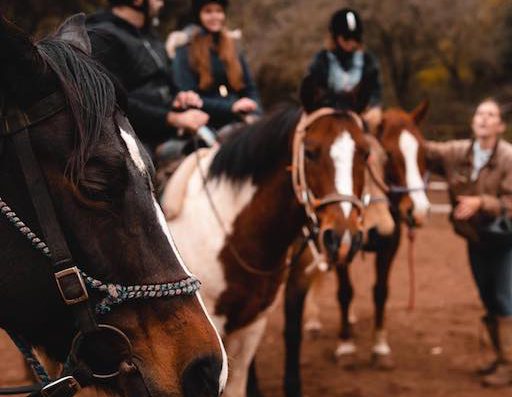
pixel 409 147
pixel 342 153
pixel 224 371
pixel 134 151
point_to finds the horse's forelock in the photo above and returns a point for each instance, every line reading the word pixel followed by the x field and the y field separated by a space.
pixel 90 94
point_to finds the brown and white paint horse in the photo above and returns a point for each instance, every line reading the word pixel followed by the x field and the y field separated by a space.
pixel 307 279
pixel 99 179
pixel 242 262
pixel 405 183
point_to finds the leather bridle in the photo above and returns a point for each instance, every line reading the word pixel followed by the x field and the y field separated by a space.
pixel 303 193
pixel 72 283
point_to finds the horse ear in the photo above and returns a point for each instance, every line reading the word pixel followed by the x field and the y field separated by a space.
pixel 419 113
pixel 312 95
pixel 74 32
pixel 20 63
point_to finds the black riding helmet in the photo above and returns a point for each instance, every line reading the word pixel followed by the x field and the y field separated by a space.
pixel 347 24
pixel 198 4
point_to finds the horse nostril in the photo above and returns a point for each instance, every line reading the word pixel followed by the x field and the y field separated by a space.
pixel 332 242
pixel 201 377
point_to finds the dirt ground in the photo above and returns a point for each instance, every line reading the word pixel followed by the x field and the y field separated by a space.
pixel 436 347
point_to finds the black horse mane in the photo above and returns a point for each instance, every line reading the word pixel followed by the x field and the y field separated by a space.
pixel 256 149
pixel 89 92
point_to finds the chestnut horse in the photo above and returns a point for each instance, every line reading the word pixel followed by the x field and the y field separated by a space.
pixel 248 201
pixel 306 278
pixel 75 183
pixel 405 185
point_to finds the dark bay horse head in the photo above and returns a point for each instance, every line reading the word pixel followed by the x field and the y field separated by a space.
pixel 406 172
pixel 335 152
pixel 99 179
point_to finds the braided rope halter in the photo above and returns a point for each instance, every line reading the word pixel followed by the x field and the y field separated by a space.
pixel 115 293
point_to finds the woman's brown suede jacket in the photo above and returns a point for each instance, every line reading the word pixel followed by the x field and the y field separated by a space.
pixel 454 160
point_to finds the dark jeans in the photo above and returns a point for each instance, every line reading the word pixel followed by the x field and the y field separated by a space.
pixel 492 270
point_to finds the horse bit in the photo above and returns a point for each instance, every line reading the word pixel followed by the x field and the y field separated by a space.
pixel 73 284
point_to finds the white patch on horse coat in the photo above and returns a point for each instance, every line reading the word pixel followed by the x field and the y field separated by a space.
pixel 409 147
pixel 342 153
pixel 200 237
pixel 134 151
pixel 344 348
pixel 224 371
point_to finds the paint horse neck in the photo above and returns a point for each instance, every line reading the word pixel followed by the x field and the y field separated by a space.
pixel 254 255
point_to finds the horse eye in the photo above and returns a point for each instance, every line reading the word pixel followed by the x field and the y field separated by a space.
pixel 312 154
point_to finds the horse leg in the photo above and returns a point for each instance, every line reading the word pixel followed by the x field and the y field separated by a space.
pixel 253 387
pixel 241 347
pixel 312 324
pixel 295 294
pixel 388 247
pixel 346 350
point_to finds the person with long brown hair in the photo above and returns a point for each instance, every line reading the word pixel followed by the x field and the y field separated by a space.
pixel 479 175
pixel 211 65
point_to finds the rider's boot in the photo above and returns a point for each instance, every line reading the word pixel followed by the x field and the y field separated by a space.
pixel 502 376
pixel 491 325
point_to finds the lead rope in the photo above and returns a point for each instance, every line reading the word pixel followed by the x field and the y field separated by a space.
pixel 411 236
pixel 31 359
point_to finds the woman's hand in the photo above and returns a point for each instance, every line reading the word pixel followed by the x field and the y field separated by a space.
pixel 189 120
pixel 467 207
pixel 187 99
pixel 244 105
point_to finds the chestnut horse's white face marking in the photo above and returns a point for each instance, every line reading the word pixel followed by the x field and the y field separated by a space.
pixel 134 151
pixel 342 153
pixel 409 147
pixel 224 371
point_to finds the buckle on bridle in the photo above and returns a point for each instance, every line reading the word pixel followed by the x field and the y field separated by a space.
pixel 71 286
pixel 68 381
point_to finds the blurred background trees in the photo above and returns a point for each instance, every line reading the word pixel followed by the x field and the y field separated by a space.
pixel 453 52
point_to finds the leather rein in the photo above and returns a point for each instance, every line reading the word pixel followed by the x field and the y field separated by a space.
pixel 72 283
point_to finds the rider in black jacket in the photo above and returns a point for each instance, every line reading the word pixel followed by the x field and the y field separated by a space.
pixel 346 71
pixel 123 41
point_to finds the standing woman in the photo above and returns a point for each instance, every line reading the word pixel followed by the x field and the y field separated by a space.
pixel 211 65
pixel 479 174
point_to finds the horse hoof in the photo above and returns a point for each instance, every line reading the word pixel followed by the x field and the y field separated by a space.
pixel 345 355
pixel 313 329
pixel 383 362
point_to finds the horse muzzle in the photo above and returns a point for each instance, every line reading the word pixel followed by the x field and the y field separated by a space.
pixel 341 249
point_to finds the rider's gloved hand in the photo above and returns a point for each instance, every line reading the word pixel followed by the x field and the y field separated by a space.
pixel 187 99
pixel 189 120
pixel 244 105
